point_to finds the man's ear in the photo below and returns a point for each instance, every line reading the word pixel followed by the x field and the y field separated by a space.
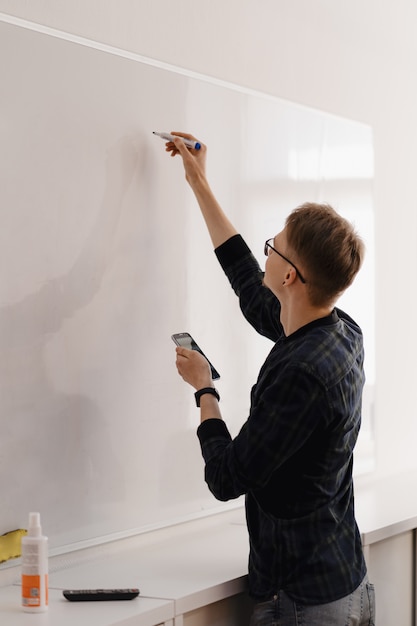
pixel 290 276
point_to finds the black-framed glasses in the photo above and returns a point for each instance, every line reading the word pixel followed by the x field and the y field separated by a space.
pixel 268 246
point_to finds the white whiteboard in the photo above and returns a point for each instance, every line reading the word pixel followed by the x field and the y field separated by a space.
pixel 104 256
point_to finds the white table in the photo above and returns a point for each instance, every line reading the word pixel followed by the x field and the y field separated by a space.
pixel 138 612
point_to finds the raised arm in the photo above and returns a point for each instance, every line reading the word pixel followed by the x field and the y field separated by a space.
pixel 219 226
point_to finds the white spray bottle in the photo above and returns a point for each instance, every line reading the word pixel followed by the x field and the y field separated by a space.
pixel 34 567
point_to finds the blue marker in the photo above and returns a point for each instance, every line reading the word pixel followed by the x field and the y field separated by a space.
pixel 188 142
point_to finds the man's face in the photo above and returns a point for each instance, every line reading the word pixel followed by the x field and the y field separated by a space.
pixel 276 268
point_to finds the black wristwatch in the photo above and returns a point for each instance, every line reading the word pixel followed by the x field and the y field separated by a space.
pixel 201 392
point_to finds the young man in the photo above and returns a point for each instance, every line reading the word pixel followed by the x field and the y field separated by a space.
pixel 293 455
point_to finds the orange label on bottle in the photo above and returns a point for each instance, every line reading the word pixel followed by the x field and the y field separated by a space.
pixel 31 591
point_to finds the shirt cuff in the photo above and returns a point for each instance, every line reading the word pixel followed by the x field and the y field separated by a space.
pixel 212 428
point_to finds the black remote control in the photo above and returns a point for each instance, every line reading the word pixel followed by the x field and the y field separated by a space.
pixel 92 595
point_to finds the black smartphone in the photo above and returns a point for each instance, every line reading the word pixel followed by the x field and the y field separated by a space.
pixel 186 341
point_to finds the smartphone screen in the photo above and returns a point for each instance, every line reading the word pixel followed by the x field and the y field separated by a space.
pixel 186 341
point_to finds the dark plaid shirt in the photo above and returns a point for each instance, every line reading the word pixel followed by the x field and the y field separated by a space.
pixel 293 456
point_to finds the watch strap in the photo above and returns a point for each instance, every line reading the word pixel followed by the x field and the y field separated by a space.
pixel 201 392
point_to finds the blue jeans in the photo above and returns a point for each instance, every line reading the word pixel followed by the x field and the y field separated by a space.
pixel 356 609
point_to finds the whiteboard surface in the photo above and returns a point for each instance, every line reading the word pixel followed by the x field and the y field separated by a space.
pixel 104 256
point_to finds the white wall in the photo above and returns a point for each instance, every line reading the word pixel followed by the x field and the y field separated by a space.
pixel 356 59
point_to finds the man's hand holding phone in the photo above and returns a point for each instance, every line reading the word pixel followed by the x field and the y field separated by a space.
pixel 193 367
pixel 192 363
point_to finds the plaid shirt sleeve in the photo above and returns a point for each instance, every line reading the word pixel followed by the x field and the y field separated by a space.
pixel 260 307
pixel 277 428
